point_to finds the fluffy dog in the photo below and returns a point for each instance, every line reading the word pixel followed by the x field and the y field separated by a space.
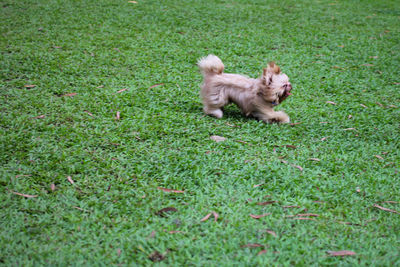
pixel 255 97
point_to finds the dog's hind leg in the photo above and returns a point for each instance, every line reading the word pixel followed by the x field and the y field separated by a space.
pixel 271 116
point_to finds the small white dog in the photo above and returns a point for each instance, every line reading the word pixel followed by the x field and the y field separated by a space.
pixel 255 97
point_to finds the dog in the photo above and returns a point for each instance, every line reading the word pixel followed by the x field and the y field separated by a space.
pixel 255 97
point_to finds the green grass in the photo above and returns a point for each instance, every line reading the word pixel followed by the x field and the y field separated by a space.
pixel 341 51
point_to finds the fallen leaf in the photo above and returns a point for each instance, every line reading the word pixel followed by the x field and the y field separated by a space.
pixel 70 94
pixel 39 117
pixel 53 187
pixel 307 215
pixel 252 245
pixel 175 232
pixel 24 195
pixel 117 117
pixel 122 90
pixel 350 116
pixel 215 216
pixel 206 217
pixel 324 138
pixel 29 86
pixel 368 65
pixel 314 159
pixel 295 123
pixel 390 201
pixel 341 253
pixel 170 190
pixel 164 212
pixel 291 146
pixel 155 85
pixel 265 203
pixel 132 2
pixel 330 102
pixel 259 216
pixel 257 185
pixel 90 114
pixel 156 256
pixel 291 206
pixel 298 167
pixel 349 129
pixel 385 209
pixel 70 180
pixel 152 234
pixel 118 252
pixel 262 252
pixel 23 175
pixel 375 57
pixel 358 190
pixel 271 233
pixel 377 156
pixel 100 86
pixel 243 142
pixel 217 138
pixel 364 106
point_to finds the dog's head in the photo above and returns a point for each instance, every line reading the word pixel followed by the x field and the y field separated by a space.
pixel 275 84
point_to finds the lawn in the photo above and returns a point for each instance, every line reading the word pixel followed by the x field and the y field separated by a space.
pixel 106 156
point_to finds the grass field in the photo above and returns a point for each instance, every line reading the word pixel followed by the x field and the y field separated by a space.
pixel 100 115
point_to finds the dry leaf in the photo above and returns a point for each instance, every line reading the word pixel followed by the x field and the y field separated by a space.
pixel 70 94
pixel 298 167
pixel 118 252
pixel 314 159
pixel 265 203
pixel 350 116
pixel 291 146
pixel 117 117
pixel 349 129
pixel 390 201
pixel 39 117
pixel 205 218
pixel 324 138
pixel 53 187
pixel 217 138
pixel 155 85
pixel 259 216
pixel 132 2
pixel 70 180
pixel 90 114
pixel 29 86
pixel 122 90
pixel 170 190
pixel 100 86
pixel 23 175
pixel 215 216
pixel 271 233
pixel 368 65
pixel 262 252
pixel 175 232
pixel 307 215
pixel 364 106
pixel 257 185
pixel 341 253
pixel 252 245
pixel 331 102
pixel 292 206
pixel 379 157
pixel 24 195
pixel 156 256
pixel 385 209
pixel 295 123
pixel 164 212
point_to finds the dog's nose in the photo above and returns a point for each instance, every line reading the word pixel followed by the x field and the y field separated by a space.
pixel 289 86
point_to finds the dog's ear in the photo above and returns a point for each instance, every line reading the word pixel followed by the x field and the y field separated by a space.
pixel 270 71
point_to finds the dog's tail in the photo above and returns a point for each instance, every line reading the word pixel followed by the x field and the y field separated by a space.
pixel 210 65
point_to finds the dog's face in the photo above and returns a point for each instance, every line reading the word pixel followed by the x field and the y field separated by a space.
pixel 276 86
